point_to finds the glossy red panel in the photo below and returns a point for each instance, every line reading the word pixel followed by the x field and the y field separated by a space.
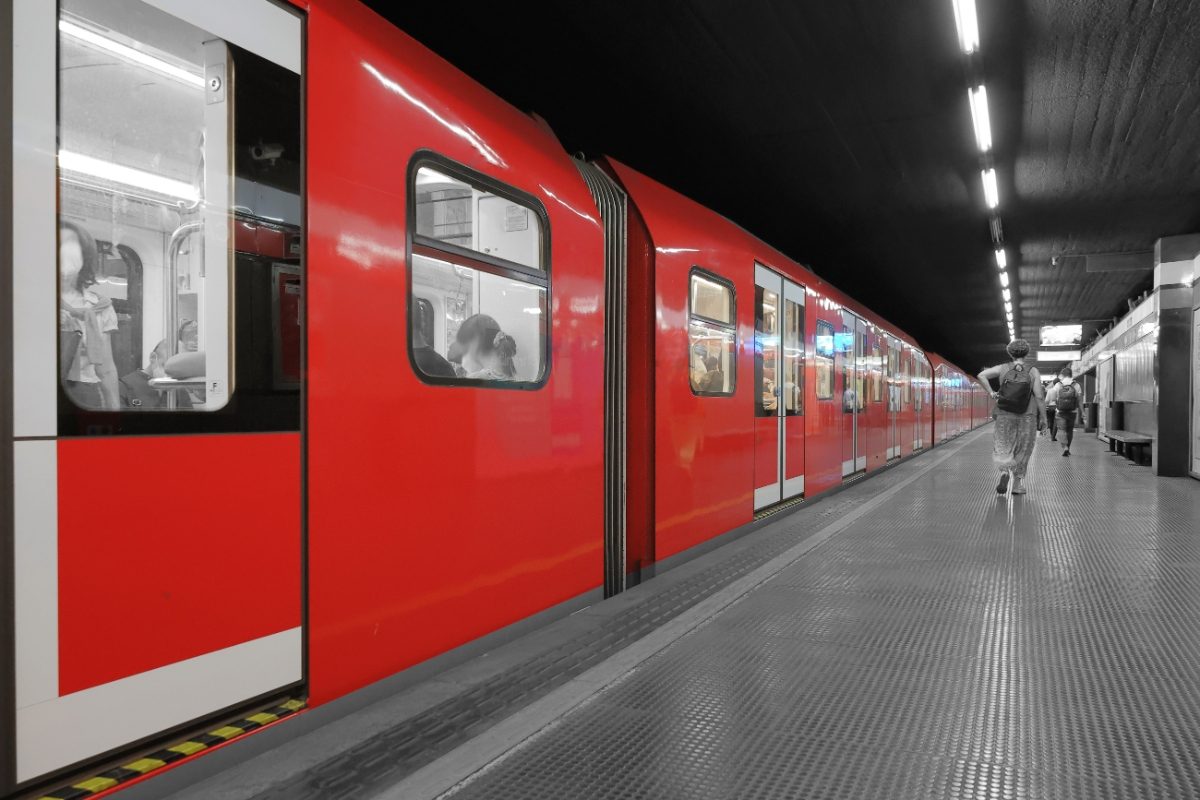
pixel 173 547
pixel 437 513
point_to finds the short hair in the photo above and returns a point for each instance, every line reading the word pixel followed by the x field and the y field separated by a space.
pixel 1018 348
pixel 1065 372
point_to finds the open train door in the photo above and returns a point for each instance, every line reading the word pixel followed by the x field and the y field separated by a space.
pixel 155 433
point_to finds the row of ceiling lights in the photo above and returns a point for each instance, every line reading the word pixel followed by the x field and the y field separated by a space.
pixel 968 38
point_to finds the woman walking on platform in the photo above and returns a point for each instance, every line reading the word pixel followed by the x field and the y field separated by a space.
pixel 1021 414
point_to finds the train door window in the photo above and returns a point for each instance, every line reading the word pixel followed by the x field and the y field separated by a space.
pixel 876 374
pixel 170 141
pixel 793 359
pixel 823 360
pixel 849 368
pixel 478 278
pixel 712 363
pixel 906 378
pixel 767 377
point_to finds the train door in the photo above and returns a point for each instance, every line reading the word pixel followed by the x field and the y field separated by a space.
pixel 849 352
pixel 893 390
pixel 156 423
pixel 917 372
pixel 779 388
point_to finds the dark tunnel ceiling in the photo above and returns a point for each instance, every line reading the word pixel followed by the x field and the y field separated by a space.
pixel 840 133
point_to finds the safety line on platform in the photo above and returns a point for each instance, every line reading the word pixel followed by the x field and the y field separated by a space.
pixel 152 762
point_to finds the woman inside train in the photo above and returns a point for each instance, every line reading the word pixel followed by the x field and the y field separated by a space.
pixel 487 351
pixel 86 321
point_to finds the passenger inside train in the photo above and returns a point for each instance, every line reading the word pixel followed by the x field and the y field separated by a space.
pixel 179 282
pixel 479 278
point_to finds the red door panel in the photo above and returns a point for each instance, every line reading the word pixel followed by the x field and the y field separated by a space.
pixel 200 551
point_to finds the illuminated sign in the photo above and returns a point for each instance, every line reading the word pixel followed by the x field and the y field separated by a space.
pixel 1052 335
pixel 1045 356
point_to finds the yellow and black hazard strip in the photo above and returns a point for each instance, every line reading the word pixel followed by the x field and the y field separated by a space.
pixel 160 758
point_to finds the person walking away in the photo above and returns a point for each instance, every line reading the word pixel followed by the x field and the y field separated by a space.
pixel 1051 405
pixel 1067 394
pixel 1020 415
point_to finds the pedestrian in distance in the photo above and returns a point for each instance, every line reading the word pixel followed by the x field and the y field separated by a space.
pixel 1051 408
pixel 1065 394
pixel 1020 415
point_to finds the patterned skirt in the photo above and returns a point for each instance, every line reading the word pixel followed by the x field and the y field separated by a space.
pixel 1013 441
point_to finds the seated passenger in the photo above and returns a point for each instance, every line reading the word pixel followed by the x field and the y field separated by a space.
pixel 699 368
pixel 487 352
pixel 428 360
pixel 136 391
pixel 714 378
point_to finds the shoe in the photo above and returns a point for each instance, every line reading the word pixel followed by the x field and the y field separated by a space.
pixel 1066 452
pixel 1018 486
pixel 1002 486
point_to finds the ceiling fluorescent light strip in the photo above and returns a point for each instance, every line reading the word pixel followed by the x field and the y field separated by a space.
pixel 1001 258
pixel 967 23
pixel 991 193
pixel 1004 280
pixel 127 176
pixel 980 117
pixel 130 54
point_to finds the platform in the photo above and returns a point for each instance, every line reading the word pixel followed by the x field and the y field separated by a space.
pixel 913 636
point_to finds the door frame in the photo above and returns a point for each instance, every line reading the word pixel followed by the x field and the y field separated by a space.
pixel 782 488
pixel 29 432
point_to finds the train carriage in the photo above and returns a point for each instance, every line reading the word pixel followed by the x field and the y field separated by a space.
pixel 346 363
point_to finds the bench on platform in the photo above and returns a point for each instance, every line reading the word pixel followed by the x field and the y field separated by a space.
pixel 1129 444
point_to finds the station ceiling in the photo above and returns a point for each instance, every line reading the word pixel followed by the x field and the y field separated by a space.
pixel 840 132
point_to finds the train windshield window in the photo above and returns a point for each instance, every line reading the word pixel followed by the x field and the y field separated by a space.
pixel 452 211
pixel 479 271
pixel 711 334
pixel 160 150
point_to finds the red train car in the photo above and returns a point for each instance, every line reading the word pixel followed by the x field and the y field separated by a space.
pixel 343 341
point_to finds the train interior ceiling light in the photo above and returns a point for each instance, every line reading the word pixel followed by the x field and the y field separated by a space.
pixel 125 176
pixel 109 45
pixel 968 25
pixel 980 117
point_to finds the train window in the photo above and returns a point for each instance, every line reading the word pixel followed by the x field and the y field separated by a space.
pixel 164 158
pixel 906 377
pixel 453 211
pixel 711 334
pixel 824 360
pixel 479 279
pixel 876 374
pixel 793 359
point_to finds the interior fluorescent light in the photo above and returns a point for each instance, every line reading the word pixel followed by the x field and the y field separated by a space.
pixel 990 193
pixel 129 54
pixel 967 23
pixel 1007 294
pixel 128 176
pixel 1001 258
pixel 979 115
pixel 1004 279
pixel 1008 305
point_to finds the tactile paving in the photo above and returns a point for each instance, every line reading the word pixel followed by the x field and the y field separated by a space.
pixel 954 644
pixel 413 742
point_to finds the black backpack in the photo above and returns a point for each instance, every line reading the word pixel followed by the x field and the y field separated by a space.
pixel 1016 387
pixel 1068 397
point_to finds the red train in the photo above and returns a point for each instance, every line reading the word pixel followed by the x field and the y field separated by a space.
pixel 356 365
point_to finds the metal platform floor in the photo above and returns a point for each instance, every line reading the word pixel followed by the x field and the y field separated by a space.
pixel 916 636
